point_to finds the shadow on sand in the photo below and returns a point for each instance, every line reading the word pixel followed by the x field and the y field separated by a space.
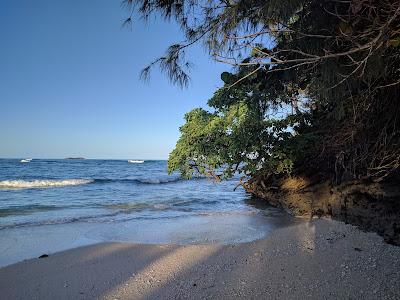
pixel 319 260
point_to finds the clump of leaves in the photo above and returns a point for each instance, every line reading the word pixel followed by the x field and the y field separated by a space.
pixel 242 135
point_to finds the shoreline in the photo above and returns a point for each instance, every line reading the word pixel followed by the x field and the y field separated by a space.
pixel 317 259
pixel 21 243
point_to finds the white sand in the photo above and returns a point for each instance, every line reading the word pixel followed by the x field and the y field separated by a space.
pixel 318 260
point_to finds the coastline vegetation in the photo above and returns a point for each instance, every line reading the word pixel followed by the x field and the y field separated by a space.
pixel 314 87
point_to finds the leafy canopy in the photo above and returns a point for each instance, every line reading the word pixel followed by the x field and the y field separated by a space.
pixel 314 87
pixel 239 136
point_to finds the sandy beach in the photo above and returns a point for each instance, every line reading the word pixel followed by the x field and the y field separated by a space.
pixel 321 259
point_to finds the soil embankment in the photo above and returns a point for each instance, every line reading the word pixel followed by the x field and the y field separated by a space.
pixel 371 206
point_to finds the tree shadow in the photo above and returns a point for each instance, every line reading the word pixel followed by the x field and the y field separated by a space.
pixel 301 261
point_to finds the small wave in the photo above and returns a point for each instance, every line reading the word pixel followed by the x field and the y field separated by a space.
pixel 26 209
pixel 113 218
pixel 138 181
pixel 176 205
pixel 158 181
pixel 129 207
pixel 26 184
pixel 98 218
pixel 87 219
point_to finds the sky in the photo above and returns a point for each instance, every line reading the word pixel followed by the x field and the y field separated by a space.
pixel 69 82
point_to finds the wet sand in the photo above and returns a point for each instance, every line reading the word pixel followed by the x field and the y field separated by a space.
pixel 321 259
pixel 17 244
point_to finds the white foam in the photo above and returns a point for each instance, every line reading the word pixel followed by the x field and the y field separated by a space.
pixel 158 181
pixel 26 184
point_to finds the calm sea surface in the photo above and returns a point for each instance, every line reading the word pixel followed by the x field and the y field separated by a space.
pixel 51 205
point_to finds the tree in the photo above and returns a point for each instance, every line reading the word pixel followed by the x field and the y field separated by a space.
pixel 336 63
pixel 245 134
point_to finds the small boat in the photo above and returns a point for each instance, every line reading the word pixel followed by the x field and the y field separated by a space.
pixel 132 161
pixel 26 160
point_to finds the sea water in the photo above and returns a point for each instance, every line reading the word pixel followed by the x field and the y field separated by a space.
pixel 52 205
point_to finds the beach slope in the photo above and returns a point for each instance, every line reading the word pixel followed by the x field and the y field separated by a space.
pixel 321 259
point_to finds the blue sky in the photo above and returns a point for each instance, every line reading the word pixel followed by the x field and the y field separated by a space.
pixel 69 82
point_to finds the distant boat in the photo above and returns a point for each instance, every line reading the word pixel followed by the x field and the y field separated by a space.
pixel 132 161
pixel 26 160
pixel 74 158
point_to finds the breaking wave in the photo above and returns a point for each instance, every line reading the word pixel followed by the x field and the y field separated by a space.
pixel 46 183
pixel 26 184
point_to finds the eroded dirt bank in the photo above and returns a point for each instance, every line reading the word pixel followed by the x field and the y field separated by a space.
pixel 371 206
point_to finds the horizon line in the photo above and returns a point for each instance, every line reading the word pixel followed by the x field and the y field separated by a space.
pixel 85 158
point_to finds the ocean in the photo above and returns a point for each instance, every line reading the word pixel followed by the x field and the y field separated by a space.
pixel 52 205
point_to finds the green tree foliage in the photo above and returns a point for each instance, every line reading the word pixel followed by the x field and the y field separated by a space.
pixel 314 88
pixel 244 134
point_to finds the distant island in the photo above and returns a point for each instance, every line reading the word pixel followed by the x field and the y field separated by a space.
pixel 74 158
